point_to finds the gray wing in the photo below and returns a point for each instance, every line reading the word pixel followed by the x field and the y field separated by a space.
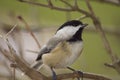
pixel 51 44
pixel 61 35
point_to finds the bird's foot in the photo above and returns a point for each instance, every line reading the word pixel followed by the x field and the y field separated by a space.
pixel 78 74
pixel 54 76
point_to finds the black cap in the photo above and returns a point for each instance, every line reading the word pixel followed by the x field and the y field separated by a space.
pixel 71 23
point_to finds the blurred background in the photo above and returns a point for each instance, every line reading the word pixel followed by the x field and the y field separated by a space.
pixel 44 22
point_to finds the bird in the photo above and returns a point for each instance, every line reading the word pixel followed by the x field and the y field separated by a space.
pixel 63 48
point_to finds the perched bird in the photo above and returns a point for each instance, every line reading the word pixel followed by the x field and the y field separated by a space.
pixel 63 48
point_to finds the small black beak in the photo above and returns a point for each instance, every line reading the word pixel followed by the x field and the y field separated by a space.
pixel 84 25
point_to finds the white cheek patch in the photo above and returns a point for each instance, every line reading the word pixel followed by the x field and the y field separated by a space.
pixel 67 32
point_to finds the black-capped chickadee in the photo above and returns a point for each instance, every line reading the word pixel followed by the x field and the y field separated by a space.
pixel 63 48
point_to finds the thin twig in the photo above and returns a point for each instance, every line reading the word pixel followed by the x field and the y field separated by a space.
pixel 45 5
pixel 90 8
pixel 109 65
pixel 28 28
pixel 82 17
pixel 112 2
pixel 13 68
pixel 50 3
pixel 75 4
pixel 58 8
pixel 11 30
pixel 33 51
pixel 100 30
pixel 98 26
pixel 68 4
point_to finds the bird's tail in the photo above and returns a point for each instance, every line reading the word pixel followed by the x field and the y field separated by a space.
pixel 36 65
pixel 44 69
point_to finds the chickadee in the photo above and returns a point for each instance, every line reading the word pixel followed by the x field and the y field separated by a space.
pixel 63 48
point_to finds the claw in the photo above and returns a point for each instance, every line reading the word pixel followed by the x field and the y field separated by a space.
pixel 81 73
pixel 78 72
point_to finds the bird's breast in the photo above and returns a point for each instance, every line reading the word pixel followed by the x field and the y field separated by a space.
pixel 76 50
pixel 63 55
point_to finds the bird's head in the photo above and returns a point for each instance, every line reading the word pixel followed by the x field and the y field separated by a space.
pixel 71 30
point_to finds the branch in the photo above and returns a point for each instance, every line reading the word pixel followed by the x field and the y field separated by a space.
pixel 115 65
pixel 21 65
pixel 98 26
pixel 109 65
pixel 50 3
pixel 85 75
pixel 82 17
pixel 75 4
pixel 28 28
pixel 65 2
pixel 45 5
pixel 33 51
pixel 11 30
pixel 112 2
pixel 58 8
